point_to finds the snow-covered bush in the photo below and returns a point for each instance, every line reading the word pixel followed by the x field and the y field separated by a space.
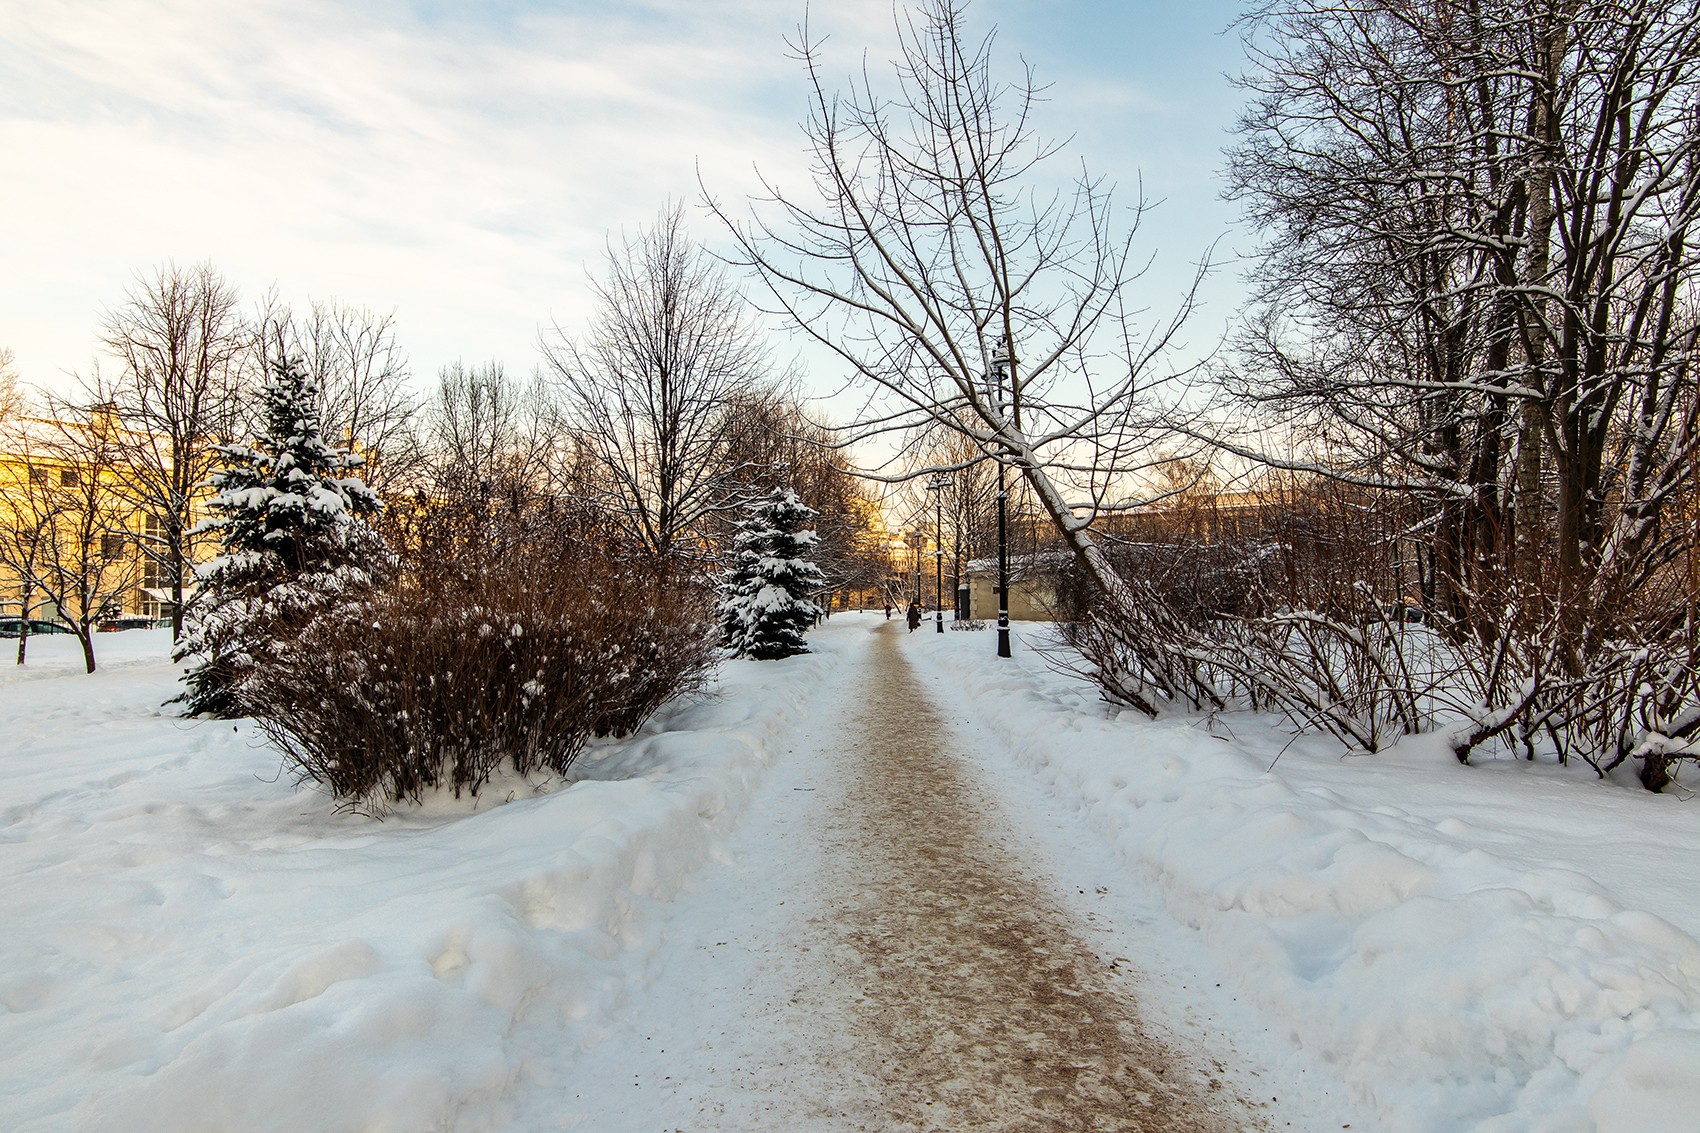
pixel 290 516
pixel 1316 614
pixel 472 662
pixel 765 606
pixel 1278 619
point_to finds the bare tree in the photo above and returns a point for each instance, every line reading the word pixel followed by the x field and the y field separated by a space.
pixel 1479 290
pixel 485 441
pixel 646 389
pixel 180 345
pixel 771 442
pixel 1477 274
pixel 362 375
pixel 24 519
pixel 941 230
pixel 68 527
pixel 968 501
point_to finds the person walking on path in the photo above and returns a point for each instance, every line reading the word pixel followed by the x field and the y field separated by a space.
pixel 888 609
pixel 914 615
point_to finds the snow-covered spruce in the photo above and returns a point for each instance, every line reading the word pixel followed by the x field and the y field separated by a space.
pixel 765 607
pixel 289 516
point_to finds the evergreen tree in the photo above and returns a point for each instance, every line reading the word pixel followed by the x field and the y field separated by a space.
pixel 765 607
pixel 289 515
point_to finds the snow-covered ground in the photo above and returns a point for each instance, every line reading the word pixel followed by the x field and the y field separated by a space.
pixel 1493 948
pixel 192 943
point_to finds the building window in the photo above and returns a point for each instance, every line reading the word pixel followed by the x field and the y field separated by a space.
pixel 38 475
pixel 69 478
pixel 111 546
pixel 153 548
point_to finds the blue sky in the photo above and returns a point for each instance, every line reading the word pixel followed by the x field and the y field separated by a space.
pixel 463 163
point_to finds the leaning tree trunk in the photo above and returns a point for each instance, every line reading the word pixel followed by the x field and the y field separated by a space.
pixel 1145 657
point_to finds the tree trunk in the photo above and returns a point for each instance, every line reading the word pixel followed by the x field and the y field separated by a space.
pixel 1141 624
pixel 1530 533
pixel 24 618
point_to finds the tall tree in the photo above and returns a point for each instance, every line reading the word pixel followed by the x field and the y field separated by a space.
pixel 773 443
pixel 1478 287
pixel 11 405
pixel 180 345
pixel 941 231
pixel 647 388
pixel 288 514
pixel 11 401
pixel 1477 271
pixel 362 376
pixel 968 499
pixel 26 517
pixel 485 436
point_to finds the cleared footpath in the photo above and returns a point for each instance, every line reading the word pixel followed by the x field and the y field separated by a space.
pixel 875 955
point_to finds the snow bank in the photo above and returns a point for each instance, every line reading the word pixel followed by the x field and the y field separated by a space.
pixel 1495 949
pixel 192 943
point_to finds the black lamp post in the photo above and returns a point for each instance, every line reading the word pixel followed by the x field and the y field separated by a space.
pixel 959 585
pixel 1001 359
pixel 915 538
pixel 937 486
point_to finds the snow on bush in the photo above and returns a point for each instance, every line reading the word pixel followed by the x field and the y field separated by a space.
pixel 472 663
pixel 1313 612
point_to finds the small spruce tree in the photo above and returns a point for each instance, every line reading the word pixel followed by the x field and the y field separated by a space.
pixel 289 515
pixel 765 606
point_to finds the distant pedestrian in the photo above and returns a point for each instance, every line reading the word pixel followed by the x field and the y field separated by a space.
pixel 888 609
pixel 914 615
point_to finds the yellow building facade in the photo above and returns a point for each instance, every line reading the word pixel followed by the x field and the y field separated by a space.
pixel 67 520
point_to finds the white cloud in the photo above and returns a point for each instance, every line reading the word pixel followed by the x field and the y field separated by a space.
pixel 459 162
pixel 462 169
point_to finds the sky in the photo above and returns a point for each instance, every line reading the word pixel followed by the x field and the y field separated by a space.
pixel 464 165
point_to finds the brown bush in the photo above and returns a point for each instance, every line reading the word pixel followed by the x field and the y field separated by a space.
pixel 510 653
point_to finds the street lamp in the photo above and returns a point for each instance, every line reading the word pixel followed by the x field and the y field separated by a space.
pixel 937 486
pixel 1002 359
pixel 915 540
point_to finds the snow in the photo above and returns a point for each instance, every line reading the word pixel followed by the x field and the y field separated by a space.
pixel 195 943
pixel 1502 947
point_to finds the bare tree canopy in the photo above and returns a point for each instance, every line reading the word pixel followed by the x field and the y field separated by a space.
pixel 771 444
pixel 650 390
pixel 1489 295
pixel 484 435
pixel 67 528
pixel 11 400
pixel 180 347
pixel 362 376
pixel 1479 292
pixel 939 229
